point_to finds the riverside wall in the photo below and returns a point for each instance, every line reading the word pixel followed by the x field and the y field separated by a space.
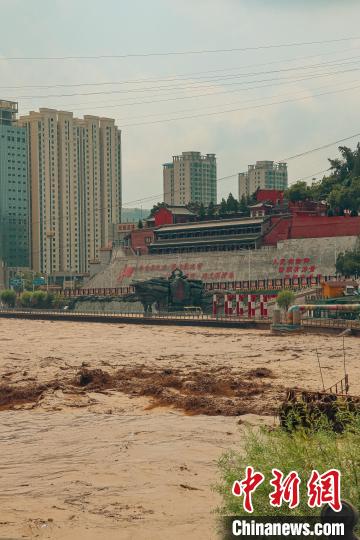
pixel 304 257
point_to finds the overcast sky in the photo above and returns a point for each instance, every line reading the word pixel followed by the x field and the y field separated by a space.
pixel 249 83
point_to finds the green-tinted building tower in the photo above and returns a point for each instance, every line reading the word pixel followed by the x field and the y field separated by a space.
pixel 14 189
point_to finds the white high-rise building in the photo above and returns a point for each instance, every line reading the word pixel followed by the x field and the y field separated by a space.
pixel 75 178
pixel 190 177
pixel 263 175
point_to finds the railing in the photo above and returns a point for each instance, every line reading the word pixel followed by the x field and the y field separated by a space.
pixel 340 387
pixel 275 284
pixel 130 314
pixel 330 323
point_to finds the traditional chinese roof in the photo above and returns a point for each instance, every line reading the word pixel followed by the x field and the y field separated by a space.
pixel 221 223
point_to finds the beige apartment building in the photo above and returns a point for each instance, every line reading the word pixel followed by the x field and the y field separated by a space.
pixel 190 177
pixel 75 177
pixel 263 175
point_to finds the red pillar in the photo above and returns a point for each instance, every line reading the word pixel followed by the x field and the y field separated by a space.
pixel 249 305
pixel 265 307
pixel 253 300
pixel 230 304
pixel 241 307
pixel 214 305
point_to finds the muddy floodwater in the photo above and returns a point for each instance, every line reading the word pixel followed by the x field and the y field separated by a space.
pixel 113 432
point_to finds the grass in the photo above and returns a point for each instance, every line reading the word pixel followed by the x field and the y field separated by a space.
pixel 301 450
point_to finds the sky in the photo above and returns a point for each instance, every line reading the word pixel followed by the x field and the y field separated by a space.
pixel 262 102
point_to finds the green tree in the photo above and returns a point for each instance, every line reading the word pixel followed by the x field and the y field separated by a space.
pixel 223 208
pixel 25 299
pixel 244 206
pixel 140 224
pixel 8 297
pixel 232 204
pixel 58 301
pixel 343 198
pixel 202 212
pixel 298 192
pixel 211 209
pixel 348 264
pixel 156 207
pixel 39 299
pixel 285 299
pixel 349 166
pixel 193 206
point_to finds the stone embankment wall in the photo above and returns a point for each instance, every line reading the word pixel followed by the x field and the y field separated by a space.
pixel 291 258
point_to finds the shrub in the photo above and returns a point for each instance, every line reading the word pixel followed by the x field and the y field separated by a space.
pixel 302 451
pixel 49 300
pixel 25 299
pixel 39 299
pixel 58 301
pixel 285 298
pixel 8 297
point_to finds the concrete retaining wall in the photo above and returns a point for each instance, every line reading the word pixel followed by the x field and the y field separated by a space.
pixel 291 258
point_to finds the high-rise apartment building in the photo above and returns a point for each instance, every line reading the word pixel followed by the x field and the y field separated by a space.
pixel 75 175
pixel 190 177
pixel 263 175
pixel 14 189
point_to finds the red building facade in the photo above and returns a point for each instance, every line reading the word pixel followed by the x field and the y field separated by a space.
pixel 302 226
pixel 140 239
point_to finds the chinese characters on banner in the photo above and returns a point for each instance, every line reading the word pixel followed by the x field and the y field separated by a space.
pixel 192 270
pixel 321 489
pixel 295 267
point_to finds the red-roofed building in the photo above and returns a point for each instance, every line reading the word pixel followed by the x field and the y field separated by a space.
pixel 274 196
pixel 171 215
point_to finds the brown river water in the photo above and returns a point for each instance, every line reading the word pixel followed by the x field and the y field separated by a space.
pixel 113 431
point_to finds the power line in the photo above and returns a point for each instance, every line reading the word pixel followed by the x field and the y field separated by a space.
pixel 120 104
pixel 181 88
pixel 312 175
pixel 179 53
pixel 193 76
pixel 202 115
pixel 120 120
pixel 305 153
pixel 319 148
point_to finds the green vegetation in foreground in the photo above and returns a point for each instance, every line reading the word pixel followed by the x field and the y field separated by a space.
pixel 36 299
pixel 348 263
pixel 285 299
pixel 8 297
pixel 302 451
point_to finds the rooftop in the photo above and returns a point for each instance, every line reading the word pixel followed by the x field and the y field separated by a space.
pixel 180 210
pixel 212 224
pixel 8 105
pixel 211 241
pixel 341 283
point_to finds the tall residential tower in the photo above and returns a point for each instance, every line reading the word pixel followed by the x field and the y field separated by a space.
pixel 263 175
pixel 14 189
pixel 75 175
pixel 190 177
